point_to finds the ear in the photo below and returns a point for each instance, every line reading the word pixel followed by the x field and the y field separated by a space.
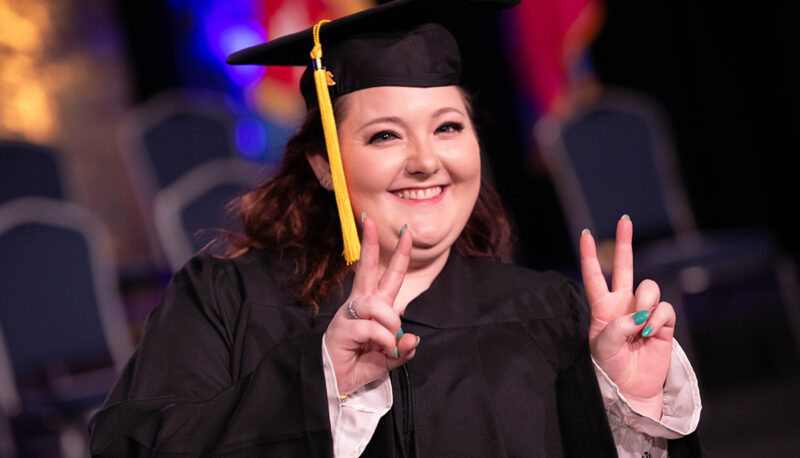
pixel 319 164
pixel 322 169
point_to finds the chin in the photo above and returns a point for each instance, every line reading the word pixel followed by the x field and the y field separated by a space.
pixel 426 256
pixel 425 250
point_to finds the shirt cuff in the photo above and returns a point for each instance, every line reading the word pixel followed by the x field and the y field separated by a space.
pixel 634 432
pixel 354 418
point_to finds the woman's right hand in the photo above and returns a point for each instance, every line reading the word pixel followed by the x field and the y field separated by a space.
pixel 363 349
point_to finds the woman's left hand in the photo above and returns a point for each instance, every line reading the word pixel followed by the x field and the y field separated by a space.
pixel 630 334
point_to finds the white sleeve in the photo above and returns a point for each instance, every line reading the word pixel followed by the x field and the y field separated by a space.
pixel 354 419
pixel 636 434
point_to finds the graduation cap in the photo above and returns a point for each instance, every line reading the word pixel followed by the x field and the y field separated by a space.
pixel 400 43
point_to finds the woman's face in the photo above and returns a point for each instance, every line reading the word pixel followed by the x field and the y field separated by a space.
pixel 411 156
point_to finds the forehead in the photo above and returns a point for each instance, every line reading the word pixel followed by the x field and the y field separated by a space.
pixel 400 101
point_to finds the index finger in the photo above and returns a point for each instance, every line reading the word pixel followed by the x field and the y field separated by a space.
pixel 392 279
pixel 367 267
pixel 594 283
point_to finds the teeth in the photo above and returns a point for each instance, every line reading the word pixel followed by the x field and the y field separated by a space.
pixel 419 194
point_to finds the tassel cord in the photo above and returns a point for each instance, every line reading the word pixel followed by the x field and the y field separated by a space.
pixel 323 79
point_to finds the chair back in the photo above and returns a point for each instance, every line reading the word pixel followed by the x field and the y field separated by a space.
pixel 190 212
pixel 60 304
pixel 166 139
pixel 615 156
pixel 27 169
pixel 173 133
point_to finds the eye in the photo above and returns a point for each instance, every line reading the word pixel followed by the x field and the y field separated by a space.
pixel 382 137
pixel 450 127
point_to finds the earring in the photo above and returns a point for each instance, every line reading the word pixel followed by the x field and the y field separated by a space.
pixel 327 182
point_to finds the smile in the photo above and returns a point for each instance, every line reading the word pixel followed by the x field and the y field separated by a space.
pixel 419 194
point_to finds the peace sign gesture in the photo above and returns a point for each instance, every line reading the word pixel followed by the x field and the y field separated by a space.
pixel 630 335
pixel 364 340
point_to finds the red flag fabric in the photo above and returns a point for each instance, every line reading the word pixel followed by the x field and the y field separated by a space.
pixel 550 37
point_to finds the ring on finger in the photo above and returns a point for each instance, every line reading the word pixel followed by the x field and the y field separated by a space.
pixel 351 312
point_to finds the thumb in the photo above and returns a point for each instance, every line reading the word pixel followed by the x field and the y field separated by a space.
pixel 616 334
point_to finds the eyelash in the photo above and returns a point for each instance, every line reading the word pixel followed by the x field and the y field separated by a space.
pixel 388 135
pixel 455 126
pixel 379 137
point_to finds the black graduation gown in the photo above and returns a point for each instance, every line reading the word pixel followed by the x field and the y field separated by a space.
pixel 230 365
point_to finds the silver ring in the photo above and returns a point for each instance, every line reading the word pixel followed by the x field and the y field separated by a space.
pixel 351 312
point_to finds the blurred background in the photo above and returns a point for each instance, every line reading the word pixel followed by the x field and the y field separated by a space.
pixel 123 134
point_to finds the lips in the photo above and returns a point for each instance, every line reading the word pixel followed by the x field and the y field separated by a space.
pixel 418 193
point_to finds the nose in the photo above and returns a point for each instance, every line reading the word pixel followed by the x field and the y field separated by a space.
pixel 422 159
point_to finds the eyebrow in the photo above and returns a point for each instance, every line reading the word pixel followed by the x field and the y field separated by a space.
pixel 390 119
pixel 446 110
pixel 396 120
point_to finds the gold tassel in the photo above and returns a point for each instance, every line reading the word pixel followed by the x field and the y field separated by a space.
pixel 323 79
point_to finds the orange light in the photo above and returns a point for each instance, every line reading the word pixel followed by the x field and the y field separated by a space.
pixel 28 107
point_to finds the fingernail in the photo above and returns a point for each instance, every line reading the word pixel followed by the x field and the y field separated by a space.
pixel 625 216
pixel 417 344
pixel 641 317
pixel 586 231
pixel 363 215
pixel 402 229
pixel 400 334
pixel 647 331
pixel 396 353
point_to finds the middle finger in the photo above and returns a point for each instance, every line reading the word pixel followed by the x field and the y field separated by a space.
pixel 392 279
pixel 622 276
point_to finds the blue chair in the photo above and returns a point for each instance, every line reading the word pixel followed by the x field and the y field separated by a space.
pixel 28 169
pixel 171 139
pixel 65 329
pixel 614 155
pixel 190 212
pixel 174 132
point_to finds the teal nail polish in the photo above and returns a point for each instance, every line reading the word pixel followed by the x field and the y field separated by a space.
pixel 647 331
pixel 396 353
pixel 363 215
pixel 402 229
pixel 641 317
pixel 400 334
pixel 417 344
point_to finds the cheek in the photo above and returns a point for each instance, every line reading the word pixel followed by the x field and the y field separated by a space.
pixel 368 175
pixel 466 164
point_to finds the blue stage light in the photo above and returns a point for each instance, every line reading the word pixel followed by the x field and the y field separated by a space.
pixel 251 138
pixel 234 38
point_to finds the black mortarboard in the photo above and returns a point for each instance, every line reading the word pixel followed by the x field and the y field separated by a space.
pixel 400 43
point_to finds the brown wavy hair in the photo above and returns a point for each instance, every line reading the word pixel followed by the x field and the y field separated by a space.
pixel 296 218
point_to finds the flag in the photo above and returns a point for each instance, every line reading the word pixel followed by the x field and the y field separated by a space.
pixel 549 43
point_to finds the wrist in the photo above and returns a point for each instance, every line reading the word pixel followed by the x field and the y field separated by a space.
pixel 651 406
pixel 346 389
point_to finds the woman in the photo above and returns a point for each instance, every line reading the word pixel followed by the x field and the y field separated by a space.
pixel 426 346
